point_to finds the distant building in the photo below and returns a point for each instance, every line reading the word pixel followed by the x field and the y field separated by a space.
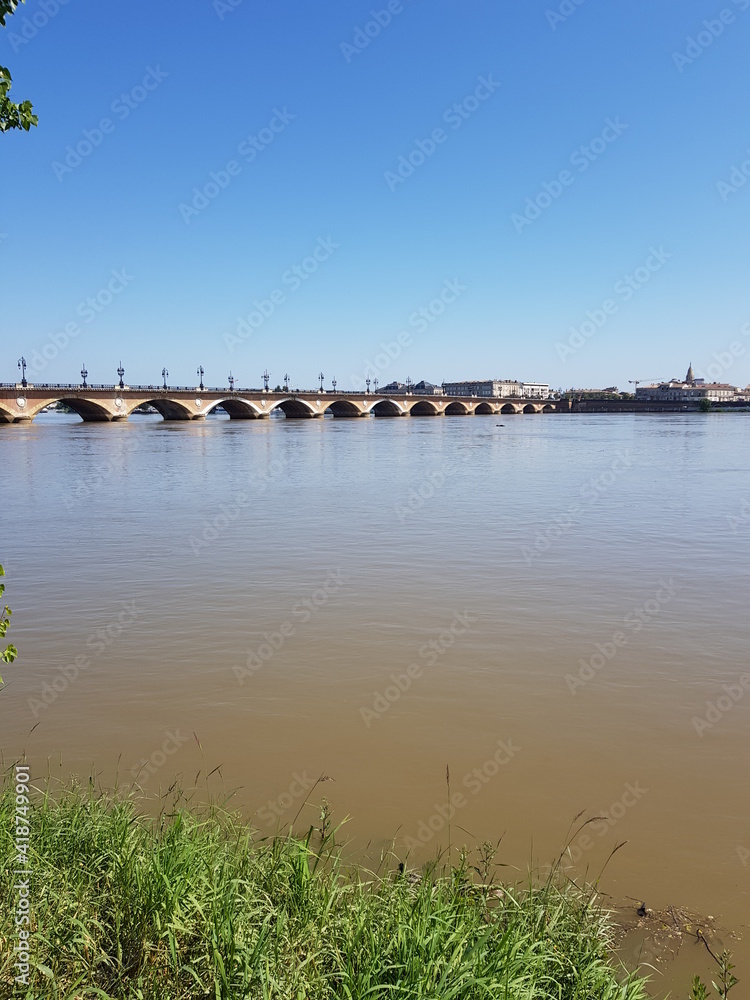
pixel 611 392
pixel 535 390
pixel 687 390
pixel 486 387
pixel 425 388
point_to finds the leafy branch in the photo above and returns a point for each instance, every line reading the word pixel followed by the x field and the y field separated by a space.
pixel 12 115
pixel 10 652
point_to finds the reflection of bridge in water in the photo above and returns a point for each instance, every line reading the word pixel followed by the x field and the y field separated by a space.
pixel 108 402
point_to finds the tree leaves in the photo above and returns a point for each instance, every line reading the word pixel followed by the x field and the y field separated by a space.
pixel 8 654
pixel 7 7
pixel 12 115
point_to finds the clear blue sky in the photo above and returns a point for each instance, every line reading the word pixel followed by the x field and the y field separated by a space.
pixel 344 114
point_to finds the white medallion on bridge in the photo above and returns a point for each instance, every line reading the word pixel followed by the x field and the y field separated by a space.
pixel 199 403
pixel 118 403
pixel 21 401
pixel 263 403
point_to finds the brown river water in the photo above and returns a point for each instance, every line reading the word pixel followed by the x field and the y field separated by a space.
pixel 554 606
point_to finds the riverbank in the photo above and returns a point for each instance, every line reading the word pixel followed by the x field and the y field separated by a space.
pixel 192 904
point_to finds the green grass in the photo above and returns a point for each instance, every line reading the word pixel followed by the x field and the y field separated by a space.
pixel 192 904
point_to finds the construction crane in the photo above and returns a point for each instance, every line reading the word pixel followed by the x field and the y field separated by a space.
pixel 639 381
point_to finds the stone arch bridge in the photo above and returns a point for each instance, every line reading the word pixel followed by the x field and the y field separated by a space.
pixel 20 403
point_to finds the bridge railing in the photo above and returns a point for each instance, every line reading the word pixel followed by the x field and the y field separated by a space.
pixel 237 390
pixel 70 387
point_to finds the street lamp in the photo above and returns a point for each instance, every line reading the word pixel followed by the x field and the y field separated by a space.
pixel 200 373
pixel 231 382
pixel 333 383
pixel 409 384
pixel 286 383
pixel 165 376
pixel 321 376
pixel 375 383
pixel 84 375
pixel 22 366
pixel 266 377
pixel 367 383
pixel 121 374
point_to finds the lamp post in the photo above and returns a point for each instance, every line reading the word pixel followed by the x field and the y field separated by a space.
pixel 409 384
pixel 200 373
pixel 286 383
pixel 321 376
pixel 367 383
pixel 121 374
pixel 84 375
pixel 22 367
pixel 266 376
pixel 333 383
pixel 231 382
pixel 375 383
pixel 165 376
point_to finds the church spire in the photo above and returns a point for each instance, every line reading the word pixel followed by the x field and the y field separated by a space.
pixel 690 378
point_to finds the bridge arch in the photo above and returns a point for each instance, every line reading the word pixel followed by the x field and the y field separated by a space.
pixel 238 409
pixel 170 409
pixel 343 408
pixel 424 408
pixel 456 409
pixel 530 408
pixel 294 409
pixel 6 417
pixel 548 408
pixel 386 408
pixel 484 408
pixel 508 408
pixel 87 410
